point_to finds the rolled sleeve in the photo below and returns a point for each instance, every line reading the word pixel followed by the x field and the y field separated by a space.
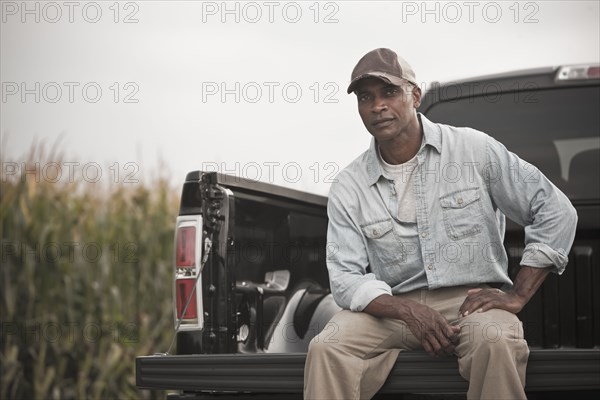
pixel 367 292
pixel 528 198
pixel 353 288
pixel 539 255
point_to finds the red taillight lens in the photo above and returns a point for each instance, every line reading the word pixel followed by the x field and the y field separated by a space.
pixel 593 72
pixel 185 255
pixel 187 276
pixel 183 288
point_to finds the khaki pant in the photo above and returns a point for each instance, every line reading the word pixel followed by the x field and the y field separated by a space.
pixel 353 355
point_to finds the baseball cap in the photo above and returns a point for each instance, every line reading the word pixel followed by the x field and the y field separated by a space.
pixel 384 64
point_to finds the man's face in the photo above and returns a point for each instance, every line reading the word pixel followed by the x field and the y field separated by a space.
pixel 388 111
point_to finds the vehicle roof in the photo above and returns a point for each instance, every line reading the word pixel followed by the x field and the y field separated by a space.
pixel 511 81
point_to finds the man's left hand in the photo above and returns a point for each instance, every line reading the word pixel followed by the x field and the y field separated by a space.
pixel 480 300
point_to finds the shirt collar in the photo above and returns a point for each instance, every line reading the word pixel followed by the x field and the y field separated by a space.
pixel 432 136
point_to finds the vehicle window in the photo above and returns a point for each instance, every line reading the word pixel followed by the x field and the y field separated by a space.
pixel 557 130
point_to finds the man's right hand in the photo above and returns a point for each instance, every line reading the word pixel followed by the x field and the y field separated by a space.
pixel 436 334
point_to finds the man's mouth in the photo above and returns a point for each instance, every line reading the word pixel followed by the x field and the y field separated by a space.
pixel 382 122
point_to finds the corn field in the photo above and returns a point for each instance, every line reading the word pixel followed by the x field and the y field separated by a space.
pixel 85 280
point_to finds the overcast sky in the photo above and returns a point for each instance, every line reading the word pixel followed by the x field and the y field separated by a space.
pixel 256 89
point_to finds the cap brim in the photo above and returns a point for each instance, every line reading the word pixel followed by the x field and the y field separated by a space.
pixel 387 78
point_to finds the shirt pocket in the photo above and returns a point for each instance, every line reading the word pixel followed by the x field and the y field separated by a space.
pixel 382 244
pixel 462 212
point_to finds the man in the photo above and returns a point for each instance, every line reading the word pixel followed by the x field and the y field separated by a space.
pixel 419 259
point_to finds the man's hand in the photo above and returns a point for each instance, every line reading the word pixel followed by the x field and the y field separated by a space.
pixel 436 334
pixel 527 282
pixel 480 300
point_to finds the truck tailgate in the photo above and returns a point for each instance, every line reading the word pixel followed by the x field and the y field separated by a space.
pixel 414 372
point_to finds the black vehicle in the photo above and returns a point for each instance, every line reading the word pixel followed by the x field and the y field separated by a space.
pixel 251 284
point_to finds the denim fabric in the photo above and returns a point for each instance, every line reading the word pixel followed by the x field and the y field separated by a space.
pixel 465 183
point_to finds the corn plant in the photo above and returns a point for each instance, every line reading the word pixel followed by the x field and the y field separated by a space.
pixel 85 280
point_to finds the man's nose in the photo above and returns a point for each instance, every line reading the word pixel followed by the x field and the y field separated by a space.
pixel 379 106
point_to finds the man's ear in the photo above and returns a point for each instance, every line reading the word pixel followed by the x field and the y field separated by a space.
pixel 416 93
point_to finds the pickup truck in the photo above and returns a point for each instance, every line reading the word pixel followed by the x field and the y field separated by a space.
pixel 250 283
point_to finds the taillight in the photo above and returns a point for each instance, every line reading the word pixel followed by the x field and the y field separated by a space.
pixel 578 72
pixel 594 72
pixel 183 290
pixel 185 249
pixel 187 280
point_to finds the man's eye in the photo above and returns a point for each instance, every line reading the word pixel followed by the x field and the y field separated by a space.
pixel 391 91
pixel 363 98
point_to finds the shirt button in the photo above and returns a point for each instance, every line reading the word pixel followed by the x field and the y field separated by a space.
pixel 430 267
pixel 460 200
pixel 424 235
pixel 374 231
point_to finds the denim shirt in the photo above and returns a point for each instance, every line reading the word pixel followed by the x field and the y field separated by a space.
pixel 464 184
